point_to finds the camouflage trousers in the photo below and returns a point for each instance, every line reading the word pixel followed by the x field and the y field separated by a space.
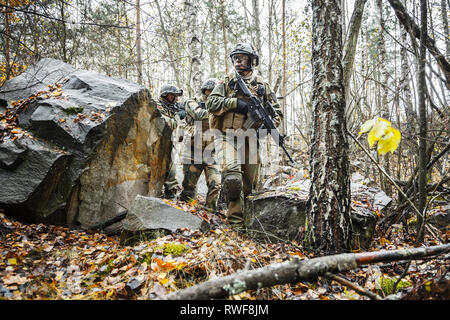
pixel 192 172
pixel 240 172
pixel 171 182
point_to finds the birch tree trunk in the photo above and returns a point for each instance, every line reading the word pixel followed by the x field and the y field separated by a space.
pixel 385 112
pixel 191 8
pixel 138 42
pixel 382 62
pixel 328 217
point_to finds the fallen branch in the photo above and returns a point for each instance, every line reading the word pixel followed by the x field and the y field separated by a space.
pixel 295 271
pixel 353 286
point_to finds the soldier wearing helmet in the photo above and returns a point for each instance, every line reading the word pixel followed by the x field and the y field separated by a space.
pixel 173 113
pixel 197 118
pixel 228 110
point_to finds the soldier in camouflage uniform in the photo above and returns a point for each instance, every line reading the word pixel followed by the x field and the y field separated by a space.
pixel 228 110
pixel 197 118
pixel 172 113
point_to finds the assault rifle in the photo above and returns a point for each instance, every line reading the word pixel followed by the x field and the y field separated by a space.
pixel 173 107
pixel 261 116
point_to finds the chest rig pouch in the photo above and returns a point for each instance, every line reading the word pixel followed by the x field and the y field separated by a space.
pixel 233 120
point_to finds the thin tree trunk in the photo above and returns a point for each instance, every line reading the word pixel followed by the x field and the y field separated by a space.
pixel 269 36
pixel 415 31
pixel 351 43
pixel 119 42
pixel 138 42
pixel 257 28
pixel 422 120
pixel 6 49
pixel 224 34
pixel 169 47
pixel 445 26
pixel 385 112
pixel 328 217
pixel 212 46
pixel 195 46
pixel 283 88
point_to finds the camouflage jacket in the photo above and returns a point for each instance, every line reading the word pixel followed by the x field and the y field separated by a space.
pixel 223 99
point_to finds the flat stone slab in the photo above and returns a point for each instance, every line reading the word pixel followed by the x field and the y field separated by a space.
pixel 150 217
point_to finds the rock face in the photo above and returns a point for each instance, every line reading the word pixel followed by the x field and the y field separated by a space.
pixel 281 213
pixel 85 145
pixel 151 217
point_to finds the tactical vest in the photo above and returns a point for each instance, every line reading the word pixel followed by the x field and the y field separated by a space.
pixel 234 120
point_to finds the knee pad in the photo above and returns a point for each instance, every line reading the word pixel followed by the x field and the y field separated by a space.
pixel 232 187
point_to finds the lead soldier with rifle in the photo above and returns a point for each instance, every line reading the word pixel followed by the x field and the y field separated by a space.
pixel 242 101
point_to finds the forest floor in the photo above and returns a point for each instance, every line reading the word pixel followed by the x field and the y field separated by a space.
pixel 45 262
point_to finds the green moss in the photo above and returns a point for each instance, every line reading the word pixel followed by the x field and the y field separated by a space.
pixel 386 285
pixel 147 258
pixel 173 248
pixel 73 110
pixel 107 267
pixel 412 222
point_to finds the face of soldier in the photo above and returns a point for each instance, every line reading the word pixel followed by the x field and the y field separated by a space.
pixel 171 98
pixel 241 63
pixel 207 92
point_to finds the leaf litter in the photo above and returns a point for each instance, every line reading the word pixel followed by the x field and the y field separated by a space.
pixel 40 261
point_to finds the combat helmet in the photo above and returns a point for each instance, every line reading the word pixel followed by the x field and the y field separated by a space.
pixel 246 48
pixel 208 84
pixel 167 88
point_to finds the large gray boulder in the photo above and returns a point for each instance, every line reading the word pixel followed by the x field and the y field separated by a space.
pixel 84 145
pixel 280 214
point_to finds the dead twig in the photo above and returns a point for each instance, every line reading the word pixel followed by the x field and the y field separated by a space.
pixel 353 286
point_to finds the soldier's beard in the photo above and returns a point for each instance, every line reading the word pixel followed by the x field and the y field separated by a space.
pixel 244 71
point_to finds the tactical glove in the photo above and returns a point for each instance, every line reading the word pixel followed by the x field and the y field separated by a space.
pixel 181 114
pixel 242 107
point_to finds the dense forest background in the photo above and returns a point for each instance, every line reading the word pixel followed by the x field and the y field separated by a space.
pixel 185 42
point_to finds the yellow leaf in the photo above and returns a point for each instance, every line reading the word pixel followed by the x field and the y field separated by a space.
pixel 162 276
pixel 380 127
pixel 110 293
pixel 378 130
pixel 164 281
pixel 12 261
pixel 366 126
pixel 389 142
